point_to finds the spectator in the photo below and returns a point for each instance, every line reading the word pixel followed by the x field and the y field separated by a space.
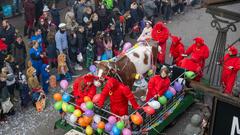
pixel 51 50
pixel 167 11
pixel 24 89
pixel 38 10
pixel 146 33
pixel 38 37
pixel 81 40
pixel 99 45
pixel 87 15
pixel 19 52
pixel 107 42
pixel 73 48
pixel 95 24
pixel 62 43
pixel 55 15
pixel 29 8
pixel 36 57
pixel 89 52
pixel 7 34
pixel 70 20
pixel 179 7
pixel 149 7
pixel 79 11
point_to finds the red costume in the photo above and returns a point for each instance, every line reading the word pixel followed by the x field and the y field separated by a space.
pixel 190 65
pixel 199 52
pixel 157 86
pixel 160 33
pixel 119 96
pixel 231 65
pixel 83 86
pixel 176 50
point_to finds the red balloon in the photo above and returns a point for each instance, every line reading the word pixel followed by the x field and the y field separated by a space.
pixel 96 98
pixel 149 110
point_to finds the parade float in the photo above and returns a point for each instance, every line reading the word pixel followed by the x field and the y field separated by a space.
pixel 151 117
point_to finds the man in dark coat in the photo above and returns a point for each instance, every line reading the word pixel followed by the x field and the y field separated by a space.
pixel 7 34
pixel 29 8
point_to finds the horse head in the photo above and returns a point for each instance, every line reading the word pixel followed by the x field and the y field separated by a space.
pixel 105 68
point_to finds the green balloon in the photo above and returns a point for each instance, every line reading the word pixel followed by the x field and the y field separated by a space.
pixel 89 105
pixel 100 131
pixel 120 125
pixel 162 100
pixel 190 75
pixel 70 108
pixel 58 105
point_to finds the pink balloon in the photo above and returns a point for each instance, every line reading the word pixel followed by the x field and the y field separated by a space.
pixel 64 84
pixel 172 90
pixel 96 98
pixel 126 131
pixel 83 107
pixel 126 46
pixel 112 119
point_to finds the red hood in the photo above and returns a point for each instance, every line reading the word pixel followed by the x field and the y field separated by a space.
pixel 199 40
pixel 175 39
pixel 234 50
pixel 89 78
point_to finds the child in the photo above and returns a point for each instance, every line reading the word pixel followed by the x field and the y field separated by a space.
pixel 89 53
pixel 62 67
pixel 45 77
pixel 107 42
pixel 24 89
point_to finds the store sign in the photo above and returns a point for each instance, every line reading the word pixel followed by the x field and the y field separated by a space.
pixel 226 118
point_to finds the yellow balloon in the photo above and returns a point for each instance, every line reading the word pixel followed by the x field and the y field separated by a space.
pixel 135 46
pixel 77 113
pixel 64 106
pixel 137 76
pixel 89 130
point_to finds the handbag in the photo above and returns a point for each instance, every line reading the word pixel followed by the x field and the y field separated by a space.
pixel 6 105
pixel 80 57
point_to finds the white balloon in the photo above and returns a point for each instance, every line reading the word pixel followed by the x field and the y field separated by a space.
pixel 73 118
pixel 181 81
pixel 154 104
pixel 96 118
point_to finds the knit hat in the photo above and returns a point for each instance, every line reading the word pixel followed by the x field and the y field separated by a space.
pixel 45 9
pixel 233 50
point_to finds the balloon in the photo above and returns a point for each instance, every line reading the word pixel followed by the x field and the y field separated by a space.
pixel 57 97
pixel 92 68
pixel 116 131
pixel 162 100
pixel 89 130
pixel 177 86
pixel 70 108
pixel 136 118
pixel 64 84
pixel 96 98
pixel 87 120
pixel 94 125
pixel 96 118
pixel 89 113
pixel 64 106
pixel 126 131
pixel 89 105
pixel 81 122
pixel 58 105
pixel 120 125
pixel 149 110
pixel 101 125
pixel 190 75
pixel 150 72
pixel 172 90
pixel 66 97
pixel 100 131
pixel 108 127
pixel 111 133
pixel 168 94
pixel 83 106
pixel 182 81
pixel 126 46
pixel 112 119
pixel 77 113
pixel 154 104
pixel 86 99
pixel 73 118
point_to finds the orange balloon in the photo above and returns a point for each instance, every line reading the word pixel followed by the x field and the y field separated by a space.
pixel 101 125
pixel 81 122
pixel 87 120
pixel 136 119
pixel 86 99
pixel 57 97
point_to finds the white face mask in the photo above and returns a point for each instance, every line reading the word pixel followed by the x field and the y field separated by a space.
pixel 163 74
pixel 97 83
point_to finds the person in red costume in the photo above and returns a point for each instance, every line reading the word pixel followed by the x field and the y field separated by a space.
pixel 176 50
pixel 158 84
pixel 160 33
pixel 231 65
pixel 198 52
pixel 84 86
pixel 119 96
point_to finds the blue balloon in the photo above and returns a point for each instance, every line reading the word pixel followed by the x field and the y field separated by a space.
pixel 168 94
pixel 115 130
pixel 66 97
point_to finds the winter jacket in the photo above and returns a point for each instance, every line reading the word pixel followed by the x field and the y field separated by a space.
pixel 78 11
pixel 61 41
pixel 149 7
